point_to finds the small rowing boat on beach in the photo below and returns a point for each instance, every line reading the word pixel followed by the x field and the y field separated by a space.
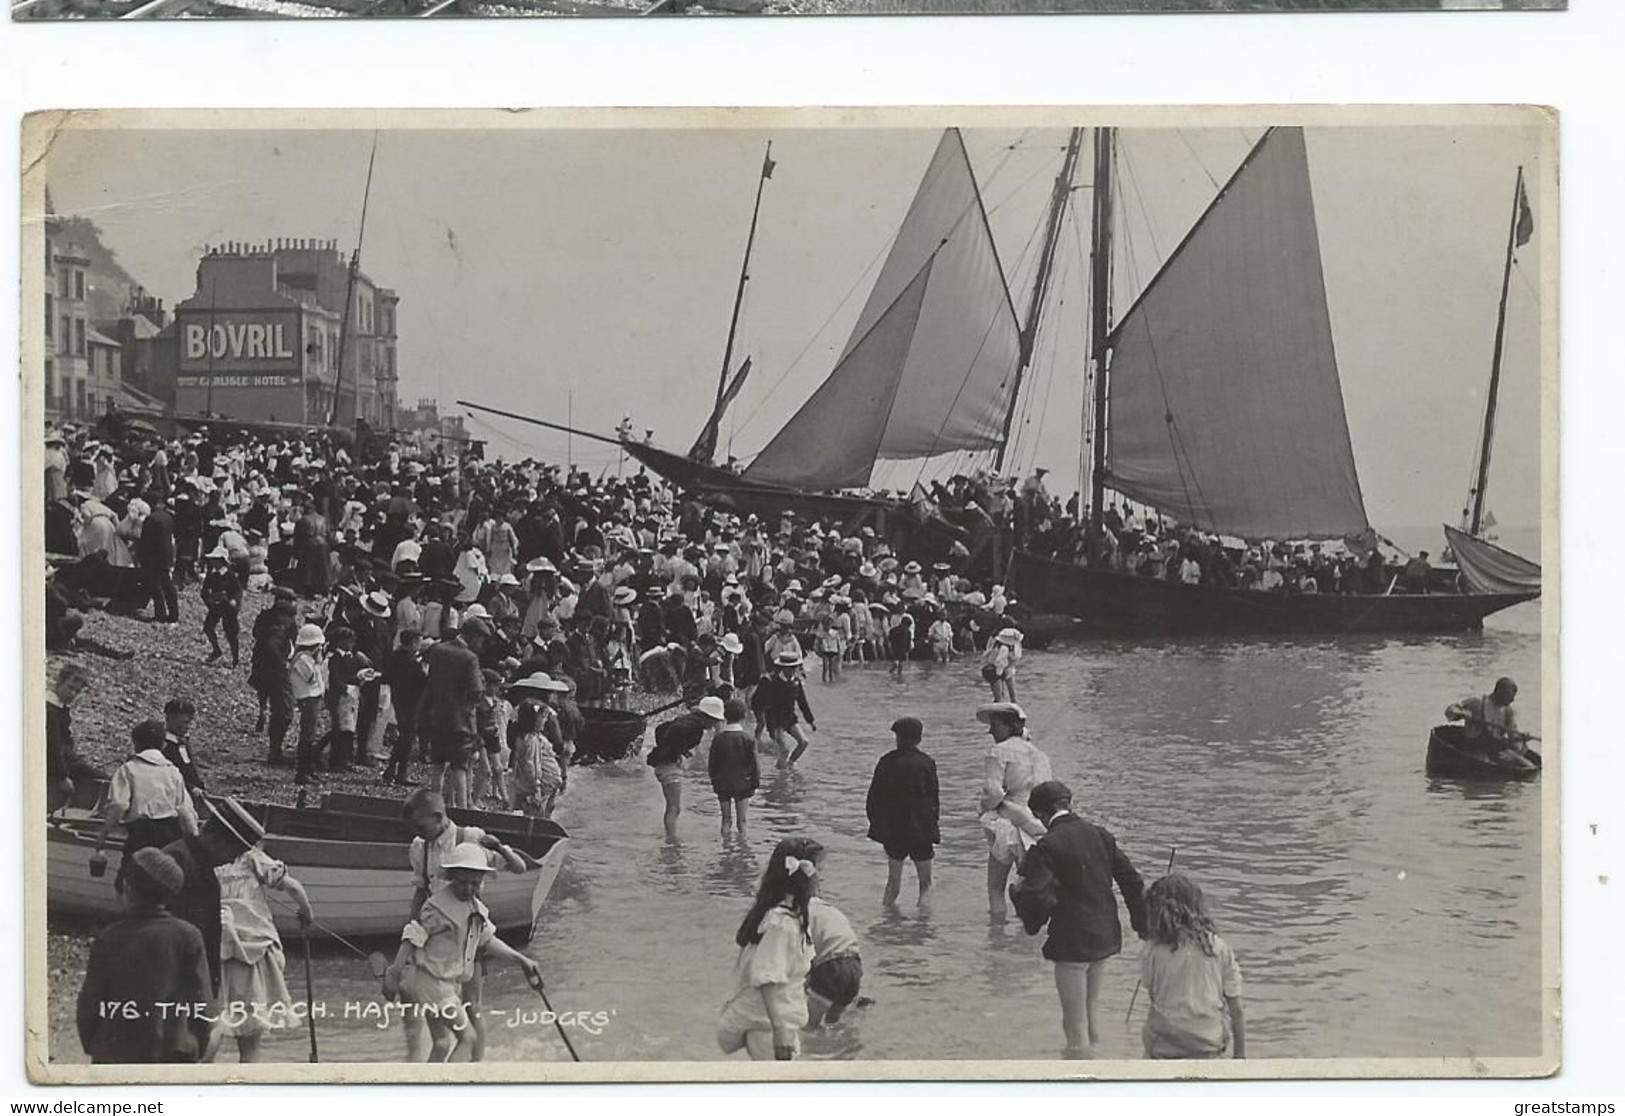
pixel 350 854
pixel 1452 756
pixel 608 734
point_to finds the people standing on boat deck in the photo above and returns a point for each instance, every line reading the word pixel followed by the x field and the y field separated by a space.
pixel 1076 863
pixel 675 740
pixel 1190 976
pixel 64 766
pixel 768 1008
pixel 447 712
pixel 147 958
pixel 733 767
pixel 1416 573
pixel 1491 723
pixel 147 796
pixel 778 696
pixel 1011 768
pixel 904 809
pixel 253 985
pixel 999 664
pixel 439 959
pixel 229 831
pixel 308 676
pixel 222 594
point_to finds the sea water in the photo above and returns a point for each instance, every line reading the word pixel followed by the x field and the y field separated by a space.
pixel 1375 912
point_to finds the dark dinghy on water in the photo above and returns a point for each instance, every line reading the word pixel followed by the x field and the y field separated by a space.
pixel 1452 756
pixel 608 734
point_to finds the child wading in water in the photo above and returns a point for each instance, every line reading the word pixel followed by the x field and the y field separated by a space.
pixel 731 763
pixel 837 969
pixel 440 952
pixel 1191 975
pixel 768 1008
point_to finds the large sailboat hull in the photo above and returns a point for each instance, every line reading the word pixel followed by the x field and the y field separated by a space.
pixel 1113 602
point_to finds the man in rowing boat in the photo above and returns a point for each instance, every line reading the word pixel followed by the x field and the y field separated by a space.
pixel 1491 724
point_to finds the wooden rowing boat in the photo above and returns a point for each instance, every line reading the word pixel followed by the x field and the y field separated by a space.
pixel 608 734
pixel 1452 756
pixel 352 862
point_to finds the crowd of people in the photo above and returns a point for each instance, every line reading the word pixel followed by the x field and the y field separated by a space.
pixel 447 618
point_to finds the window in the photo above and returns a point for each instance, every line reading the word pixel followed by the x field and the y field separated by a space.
pixel 67 334
pixel 90 404
pixel 50 384
pixel 84 399
pixel 62 282
pixel 78 284
pixel 79 336
pixel 50 313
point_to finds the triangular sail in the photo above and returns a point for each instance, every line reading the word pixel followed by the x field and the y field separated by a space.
pixel 1226 408
pixel 1488 568
pixel 930 364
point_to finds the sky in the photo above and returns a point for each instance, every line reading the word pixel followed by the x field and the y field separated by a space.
pixel 589 274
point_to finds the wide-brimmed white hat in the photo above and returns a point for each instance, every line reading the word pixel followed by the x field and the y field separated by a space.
pixel 310 636
pixel 1010 636
pixel 625 595
pixel 467 856
pixel 376 602
pixel 540 681
pixel 731 644
pixel 787 659
pixel 986 713
pixel 712 708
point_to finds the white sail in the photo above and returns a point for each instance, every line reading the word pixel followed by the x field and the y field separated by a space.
pixel 931 363
pixel 1226 408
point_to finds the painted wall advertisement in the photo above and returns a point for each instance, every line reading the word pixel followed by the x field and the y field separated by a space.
pixel 240 349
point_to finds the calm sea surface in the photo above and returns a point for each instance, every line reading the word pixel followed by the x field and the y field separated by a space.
pixel 1375 912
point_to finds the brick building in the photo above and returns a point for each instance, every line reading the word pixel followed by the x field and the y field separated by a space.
pixel 261 337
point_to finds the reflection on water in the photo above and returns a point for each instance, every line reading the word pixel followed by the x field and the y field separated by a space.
pixel 1375 911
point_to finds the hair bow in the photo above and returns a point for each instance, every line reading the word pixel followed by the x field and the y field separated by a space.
pixel 793 864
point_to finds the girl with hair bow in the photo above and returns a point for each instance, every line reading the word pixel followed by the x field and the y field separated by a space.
pixel 768 1008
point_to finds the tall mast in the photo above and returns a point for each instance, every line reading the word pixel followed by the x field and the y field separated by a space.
pixel 708 450
pixel 1495 363
pixel 349 300
pixel 1100 283
pixel 1041 281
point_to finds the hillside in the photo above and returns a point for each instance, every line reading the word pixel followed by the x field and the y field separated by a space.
pixel 109 284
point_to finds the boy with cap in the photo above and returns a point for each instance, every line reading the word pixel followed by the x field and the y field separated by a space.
pixel 777 698
pixel 904 809
pixel 222 594
pixel 146 959
pixel 1078 861
pixel 440 953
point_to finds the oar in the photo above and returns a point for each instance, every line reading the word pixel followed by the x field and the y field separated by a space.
pixel 1136 995
pixel 375 960
pixel 310 996
pixel 533 977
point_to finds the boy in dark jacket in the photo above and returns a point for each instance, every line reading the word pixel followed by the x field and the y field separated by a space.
pixel 147 995
pixel 1078 861
pixel 735 774
pixel 903 809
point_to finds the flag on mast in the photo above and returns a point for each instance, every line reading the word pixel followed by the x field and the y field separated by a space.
pixel 1526 219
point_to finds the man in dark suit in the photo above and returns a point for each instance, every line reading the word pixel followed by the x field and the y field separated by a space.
pixel 155 553
pixel 1077 861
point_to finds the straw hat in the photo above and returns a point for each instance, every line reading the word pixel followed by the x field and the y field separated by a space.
pixel 1007 709
pixel 712 708
pixel 625 595
pixel 787 659
pixel 376 603
pixel 1009 637
pixel 540 681
pixel 731 644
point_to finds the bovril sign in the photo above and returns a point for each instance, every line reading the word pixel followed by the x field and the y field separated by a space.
pixel 238 342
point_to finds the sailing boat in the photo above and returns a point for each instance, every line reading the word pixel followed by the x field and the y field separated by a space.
pixel 1486 567
pixel 1218 403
